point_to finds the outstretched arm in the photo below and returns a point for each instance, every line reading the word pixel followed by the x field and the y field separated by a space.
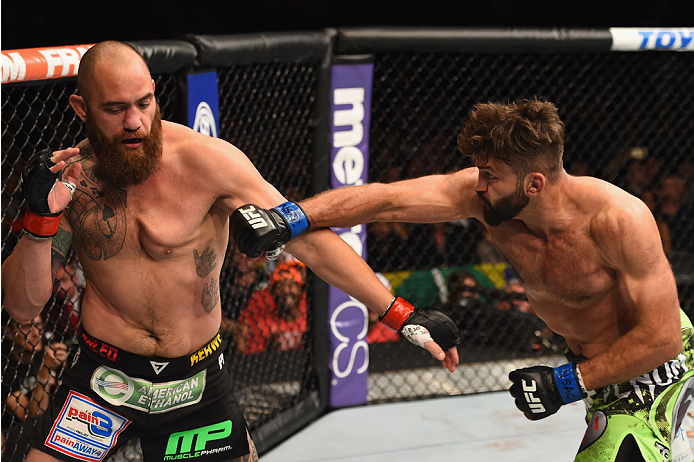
pixel 331 258
pixel 27 274
pixel 428 199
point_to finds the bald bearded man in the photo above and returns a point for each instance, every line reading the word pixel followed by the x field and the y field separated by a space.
pixel 148 220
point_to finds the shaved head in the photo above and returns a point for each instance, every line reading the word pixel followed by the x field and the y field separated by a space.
pixel 105 56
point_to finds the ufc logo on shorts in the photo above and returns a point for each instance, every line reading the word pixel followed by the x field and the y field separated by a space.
pixel 253 218
pixel 534 402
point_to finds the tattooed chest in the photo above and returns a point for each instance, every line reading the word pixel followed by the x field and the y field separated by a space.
pixel 107 225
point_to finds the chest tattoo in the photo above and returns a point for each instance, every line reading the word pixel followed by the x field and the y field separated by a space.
pixel 97 214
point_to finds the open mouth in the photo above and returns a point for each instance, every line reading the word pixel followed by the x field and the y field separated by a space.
pixel 132 142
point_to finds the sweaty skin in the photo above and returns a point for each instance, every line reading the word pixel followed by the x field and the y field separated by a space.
pixel 151 251
pixel 589 255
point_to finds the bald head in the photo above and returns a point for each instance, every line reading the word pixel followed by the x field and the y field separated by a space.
pixel 105 57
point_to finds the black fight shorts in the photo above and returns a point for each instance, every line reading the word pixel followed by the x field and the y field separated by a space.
pixel 180 408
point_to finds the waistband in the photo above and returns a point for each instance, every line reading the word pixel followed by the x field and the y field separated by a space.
pixel 151 366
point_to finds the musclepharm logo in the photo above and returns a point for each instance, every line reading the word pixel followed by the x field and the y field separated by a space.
pixel 534 402
pixel 252 217
pixel 180 444
pixel 204 120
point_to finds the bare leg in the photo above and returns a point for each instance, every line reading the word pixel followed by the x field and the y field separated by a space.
pixel 253 456
pixel 37 456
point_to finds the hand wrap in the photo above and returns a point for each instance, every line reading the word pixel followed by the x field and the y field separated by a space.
pixel 37 182
pixel 419 325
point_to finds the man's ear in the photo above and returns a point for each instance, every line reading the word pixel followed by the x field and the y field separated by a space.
pixel 79 106
pixel 535 183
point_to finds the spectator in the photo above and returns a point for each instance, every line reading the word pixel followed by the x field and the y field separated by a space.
pixel 640 175
pixel 651 200
pixel 61 313
pixel 465 306
pixel 517 301
pixel 241 277
pixel 463 289
pixel 275 318
pixel 30 370
pixel 676 213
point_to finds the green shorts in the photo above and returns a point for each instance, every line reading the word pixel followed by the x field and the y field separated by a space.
pixel 650 408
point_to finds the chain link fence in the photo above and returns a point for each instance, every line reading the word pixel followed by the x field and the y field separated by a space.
pixel 627 119
pixel 627 122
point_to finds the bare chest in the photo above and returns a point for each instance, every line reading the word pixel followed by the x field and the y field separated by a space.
pixel 567 269
pixel 110 222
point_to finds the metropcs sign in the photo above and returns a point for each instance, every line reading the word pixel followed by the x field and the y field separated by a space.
pixel 348 318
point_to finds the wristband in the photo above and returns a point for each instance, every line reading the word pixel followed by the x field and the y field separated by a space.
pixel 397 313
pixel 295 216
pixel 568 384
pixel 41 226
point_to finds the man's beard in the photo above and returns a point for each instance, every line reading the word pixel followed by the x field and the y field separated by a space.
pixel 119 165
pixel 506 208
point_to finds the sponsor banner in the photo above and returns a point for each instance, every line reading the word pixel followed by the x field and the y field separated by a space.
pixel 350 109
pixel 84 430
pixel 41 63
pixel 119 389
pixel 649 38
pixel 203 103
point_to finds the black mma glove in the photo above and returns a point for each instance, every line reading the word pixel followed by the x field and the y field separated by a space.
pixel 419 325
pixel 540 390
pixel 37 183
pixel 257 230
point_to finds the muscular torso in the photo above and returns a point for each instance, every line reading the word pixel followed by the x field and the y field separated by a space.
pixel 568 282
pixel 152 256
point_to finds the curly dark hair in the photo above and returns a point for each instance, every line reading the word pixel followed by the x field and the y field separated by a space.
pixel 527 135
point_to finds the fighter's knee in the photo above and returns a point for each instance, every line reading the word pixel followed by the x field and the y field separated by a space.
pixel 35 455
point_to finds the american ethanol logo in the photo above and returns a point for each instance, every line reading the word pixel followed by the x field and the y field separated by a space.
pixel 193 443
pixel 118 388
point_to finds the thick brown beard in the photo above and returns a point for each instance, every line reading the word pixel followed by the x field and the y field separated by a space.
pixel 120 166
pixel 505 208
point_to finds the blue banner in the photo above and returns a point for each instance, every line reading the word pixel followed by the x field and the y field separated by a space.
pixel 348 318
pixel 203 103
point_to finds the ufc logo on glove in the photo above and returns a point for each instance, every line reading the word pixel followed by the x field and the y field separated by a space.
pixel 534 403
pixel 253 217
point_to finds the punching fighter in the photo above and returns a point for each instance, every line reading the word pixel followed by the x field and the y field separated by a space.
pixel 145 205
pixel 589 255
